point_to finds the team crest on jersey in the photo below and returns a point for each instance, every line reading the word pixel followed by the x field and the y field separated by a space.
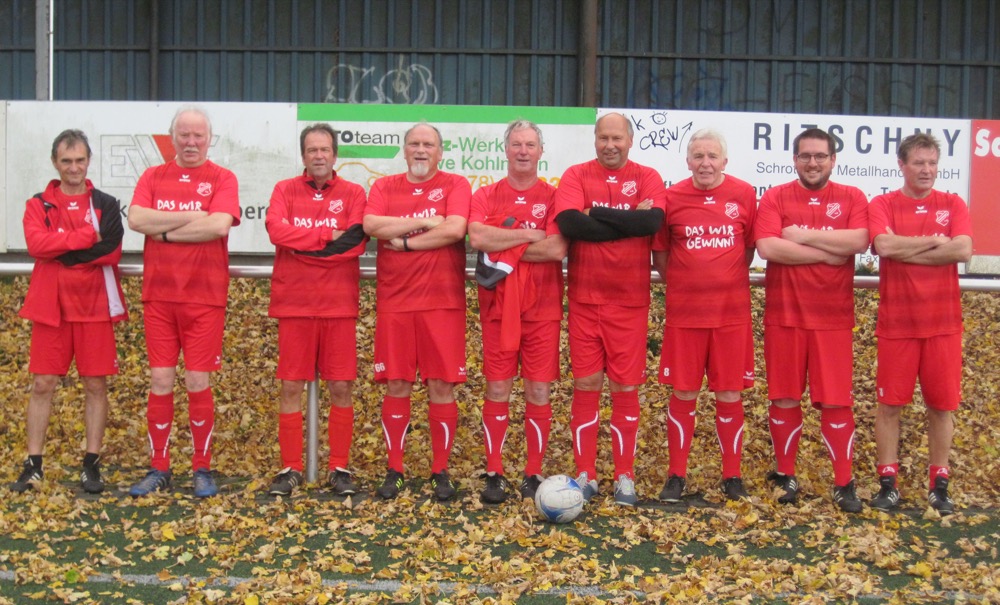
pixel 336 205
pixel 436 195
pixel 833 210
pixel 204 189
pixel 732 210
pixel 629 188
pixel 942 217
pixel 538 210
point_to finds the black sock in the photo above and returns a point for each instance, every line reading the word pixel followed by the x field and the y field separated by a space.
pixel 90 459
pixel 36 461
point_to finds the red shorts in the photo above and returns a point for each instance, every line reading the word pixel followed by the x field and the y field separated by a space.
pixel 936 360
pixel 197 329
pixel 827 356
pixel 539 352
pixel 432 342
pixel 689 353
pixel 608 338
pixel 91 342
pixel 308 344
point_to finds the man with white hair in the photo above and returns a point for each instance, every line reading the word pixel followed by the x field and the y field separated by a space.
pixel 185 207
pixel 703 252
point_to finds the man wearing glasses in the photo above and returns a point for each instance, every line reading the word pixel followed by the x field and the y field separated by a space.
pixel 808 231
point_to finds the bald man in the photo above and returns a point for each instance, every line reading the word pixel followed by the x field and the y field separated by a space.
pixel 608 208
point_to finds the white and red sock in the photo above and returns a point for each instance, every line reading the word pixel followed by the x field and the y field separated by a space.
pixel 395 422
pixel 680 431
pixel 729 422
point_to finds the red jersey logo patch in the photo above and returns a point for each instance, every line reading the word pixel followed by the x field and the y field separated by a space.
pixel 336 205
pixel 942 217
pixel 204 189
pixel 732 210
pixel 436 195
pixel 538 210
pixel 833 210
pixel 629 188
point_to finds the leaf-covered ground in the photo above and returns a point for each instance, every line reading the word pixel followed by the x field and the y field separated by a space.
pixel 243 547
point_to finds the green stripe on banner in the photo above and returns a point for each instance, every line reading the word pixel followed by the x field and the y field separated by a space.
pixel 462 114
pixel 381 152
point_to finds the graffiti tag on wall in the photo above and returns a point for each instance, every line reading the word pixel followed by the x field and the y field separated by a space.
pixel 405 84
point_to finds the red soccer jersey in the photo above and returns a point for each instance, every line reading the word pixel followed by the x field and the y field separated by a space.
pixel 815 296
pixel 419 280
pixel 301 218
pixel 533 210
pixel 707 234
pixel 615 272
pixel 918 301
pixel 187 272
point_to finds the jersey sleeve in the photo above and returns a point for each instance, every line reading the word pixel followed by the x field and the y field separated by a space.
pixel 478 205
pixel 108 251
pixel 879 219
pixel 143 194
pixel 653 189
pixel 748 203
pixel 859 210
pixel 767 223
pixel 44 243
pixel 961 223
pixel 227 197
pixel 459 197
pixel 283 233
pixel 569 194
pixel 375 205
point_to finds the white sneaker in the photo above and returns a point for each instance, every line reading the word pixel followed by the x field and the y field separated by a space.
pixel 588 485
pixel 625 491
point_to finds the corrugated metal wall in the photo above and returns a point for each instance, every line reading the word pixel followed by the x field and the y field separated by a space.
pixel 879 57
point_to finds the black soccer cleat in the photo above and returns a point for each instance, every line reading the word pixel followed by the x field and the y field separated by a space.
pixel 496 489
pixel 391 485
pixel 846 499
pixel 788 484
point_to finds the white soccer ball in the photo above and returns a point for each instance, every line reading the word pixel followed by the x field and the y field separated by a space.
pixel 559 499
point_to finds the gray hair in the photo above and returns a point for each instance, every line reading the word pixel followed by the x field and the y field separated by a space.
pixel 520 124
pixel 191 109
pixel 707 134
pixel 429 125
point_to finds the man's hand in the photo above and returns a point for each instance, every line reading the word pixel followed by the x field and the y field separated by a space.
pixel 646 204
pixel 794 233
pixel 433 221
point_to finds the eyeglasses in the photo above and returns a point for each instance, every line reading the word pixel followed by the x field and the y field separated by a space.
pixel 805 158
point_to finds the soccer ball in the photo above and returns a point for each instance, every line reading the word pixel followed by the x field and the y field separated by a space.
pixel 559 499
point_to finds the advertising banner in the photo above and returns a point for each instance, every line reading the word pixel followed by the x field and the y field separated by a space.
pixel 984 194
pixel 259 142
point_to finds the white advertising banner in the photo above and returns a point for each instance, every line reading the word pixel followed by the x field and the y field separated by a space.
pixel 259 142
pixel 760 146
